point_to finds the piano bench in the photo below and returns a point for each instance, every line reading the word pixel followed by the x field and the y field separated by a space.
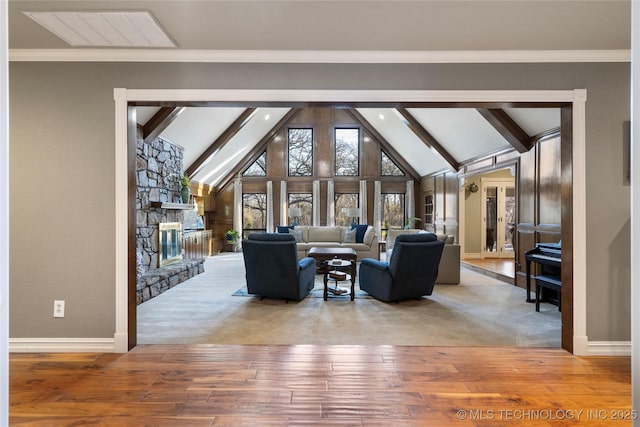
pixel 548 282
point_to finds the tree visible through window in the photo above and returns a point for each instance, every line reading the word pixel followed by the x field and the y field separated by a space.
pixel 254 212
pixel 342 202
pixel 300 152
pixel 392 211
pixel 388 167
pixel 258 168
pixel 304 201
pixel 347 152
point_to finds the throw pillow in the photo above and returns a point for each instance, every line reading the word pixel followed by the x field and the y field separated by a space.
pixel 297 234
pixel 284 228
pixel 360 230
pixel 349 236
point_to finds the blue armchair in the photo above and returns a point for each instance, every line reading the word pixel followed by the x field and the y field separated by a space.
pixel 272 267
pixel 410 273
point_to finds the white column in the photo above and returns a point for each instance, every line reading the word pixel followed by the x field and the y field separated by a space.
pixel 363 202
pixel 4 215
pixel 237 205
pixel 316 203
pixel 410 204
pixel 269 206
pixel 331 204
pixel 377 208
pixel 635 208
pixel 284 217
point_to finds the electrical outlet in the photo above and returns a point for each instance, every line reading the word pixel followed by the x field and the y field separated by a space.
pixel 58 308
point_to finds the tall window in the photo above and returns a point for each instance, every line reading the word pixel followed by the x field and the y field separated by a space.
pixel 392 211
pixel 388 167
pixel 254 213
pixel 258 168
pixel 300 152
pixel 304 201
pixel 347 152
pixel 342 202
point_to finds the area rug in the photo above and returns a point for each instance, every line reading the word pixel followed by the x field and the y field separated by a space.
pixel 315 293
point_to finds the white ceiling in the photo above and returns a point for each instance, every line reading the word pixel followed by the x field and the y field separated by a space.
pixel 357 25
pixel 463 132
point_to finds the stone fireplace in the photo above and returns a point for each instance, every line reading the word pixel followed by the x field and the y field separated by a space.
pixel 159 230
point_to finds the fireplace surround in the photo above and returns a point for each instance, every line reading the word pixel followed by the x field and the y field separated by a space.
pixel 169 243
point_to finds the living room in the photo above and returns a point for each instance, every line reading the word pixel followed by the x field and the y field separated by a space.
pixel 69 94
pixel 390 202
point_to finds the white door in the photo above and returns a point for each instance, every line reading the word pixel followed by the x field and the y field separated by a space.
pixel 498 218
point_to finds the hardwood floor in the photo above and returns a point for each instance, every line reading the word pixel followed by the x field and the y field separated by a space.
pixel 309 385
pixel 504 267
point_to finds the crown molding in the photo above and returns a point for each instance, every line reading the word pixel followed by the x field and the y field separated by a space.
pixel 319 56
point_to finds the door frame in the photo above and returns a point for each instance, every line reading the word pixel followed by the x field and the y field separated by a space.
pixel 574 337
pixel 484 182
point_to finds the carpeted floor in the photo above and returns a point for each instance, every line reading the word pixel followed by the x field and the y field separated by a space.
pixel 481 311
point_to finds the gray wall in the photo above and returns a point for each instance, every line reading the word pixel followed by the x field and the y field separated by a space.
pixel 62 172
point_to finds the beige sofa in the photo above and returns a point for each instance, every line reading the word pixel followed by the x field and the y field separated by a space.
pixel 449 268
pixel 333 237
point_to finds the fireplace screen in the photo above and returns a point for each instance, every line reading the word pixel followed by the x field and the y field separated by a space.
pixel 170 236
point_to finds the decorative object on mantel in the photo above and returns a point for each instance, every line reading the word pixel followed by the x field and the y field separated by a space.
pixel 185 191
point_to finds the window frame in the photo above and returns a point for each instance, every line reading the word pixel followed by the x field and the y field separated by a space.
pixel 312 161
pixel 302 217
pixel 382 174
pixel 384 228
pixel 338 214
pixel 358 150
pixel 246 230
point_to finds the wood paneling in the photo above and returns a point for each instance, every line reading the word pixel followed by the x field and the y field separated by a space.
pixel 370 165
pixel 566 177
pixel 323 121
pixel 539 200
pixel 549 181
pixel 313 385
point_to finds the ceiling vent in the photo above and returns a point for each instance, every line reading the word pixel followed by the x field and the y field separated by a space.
pixel 104 29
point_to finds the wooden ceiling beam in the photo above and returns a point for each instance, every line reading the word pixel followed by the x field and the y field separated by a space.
pixel 391 152
pixel 428 139
pixel 259 148
pixel 159 122
pixel 220 142
pixel 508 128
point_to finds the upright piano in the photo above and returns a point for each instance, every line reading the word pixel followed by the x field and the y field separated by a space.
pixel 549 257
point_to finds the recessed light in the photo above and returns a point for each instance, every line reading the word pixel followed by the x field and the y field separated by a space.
pixel 104 29
pixel 381 116
pixel 267 116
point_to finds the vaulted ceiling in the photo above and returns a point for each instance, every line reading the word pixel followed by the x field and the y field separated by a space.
pixel 430 140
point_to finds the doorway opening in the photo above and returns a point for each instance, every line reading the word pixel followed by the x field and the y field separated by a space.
pixel 571 103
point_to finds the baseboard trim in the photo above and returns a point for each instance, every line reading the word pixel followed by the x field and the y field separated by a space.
pixel 609 348
pixel 108 345
pixel 61 345
pixel 471 256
